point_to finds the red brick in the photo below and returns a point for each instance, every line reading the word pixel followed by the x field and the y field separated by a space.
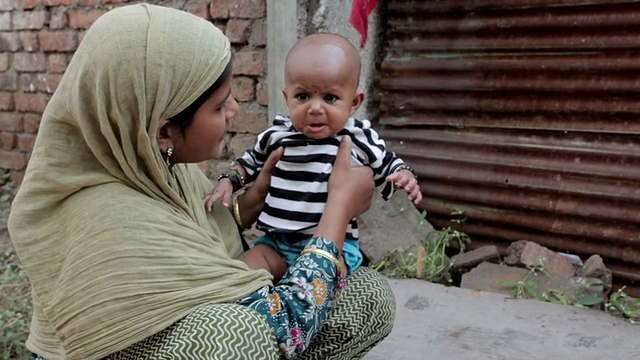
pixel 248 122
pixel 57 41
pixel 28 82
pixel 5 21
pixel 243 88
pixel 29 62
pixel 81 35
pixel 240 143
pixel 9 81
pixel 238 31
pixel 258 33
pixel 7 5
pixel 248 9
pixel 28 4
pixel 9 41
pixel 29 20
pixel 31 102
pixel 57 2
pixel 58 63
pixel 26 141
pixel 4 61
pixel 6 102
pixel 199 8
pixel 114 1
pixel 58 20
pixel 8 140
pixel 262 93
pixel 88 2
pixel 12 160
pixel 219 9
pixel 48 82
pixel 248 63
pixel 83 19
pixel 32 123
pixel 10 122
pixel 29 41
pixel 17 176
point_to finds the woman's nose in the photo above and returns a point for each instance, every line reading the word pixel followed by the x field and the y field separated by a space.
pixel 231 108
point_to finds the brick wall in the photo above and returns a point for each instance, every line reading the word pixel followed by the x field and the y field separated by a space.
pixel 38 38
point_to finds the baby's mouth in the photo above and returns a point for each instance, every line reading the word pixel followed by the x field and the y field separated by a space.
pixel 316 127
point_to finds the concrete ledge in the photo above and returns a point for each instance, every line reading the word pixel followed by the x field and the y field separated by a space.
pixel 438 322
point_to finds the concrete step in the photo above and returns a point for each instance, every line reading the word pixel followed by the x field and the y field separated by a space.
pixel 438 322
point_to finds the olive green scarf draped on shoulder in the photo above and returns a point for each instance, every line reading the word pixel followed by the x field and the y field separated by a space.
pixel 117 246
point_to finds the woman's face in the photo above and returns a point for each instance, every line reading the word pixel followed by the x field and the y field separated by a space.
pixel 201 140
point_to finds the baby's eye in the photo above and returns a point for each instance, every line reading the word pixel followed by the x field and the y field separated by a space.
pixel 302 97
pixel 330 98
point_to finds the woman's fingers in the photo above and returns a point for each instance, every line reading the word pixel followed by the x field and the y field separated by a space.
pixel 264 178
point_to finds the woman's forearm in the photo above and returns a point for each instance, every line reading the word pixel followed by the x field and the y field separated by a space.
pixel 250 204
pixel 334 221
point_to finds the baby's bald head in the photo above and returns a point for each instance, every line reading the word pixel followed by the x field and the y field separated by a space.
pixel 330 51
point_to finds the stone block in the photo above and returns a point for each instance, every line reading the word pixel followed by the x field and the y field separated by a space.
pixel 381 234
pixel 594 268
pixel 464 262
pixel 527 253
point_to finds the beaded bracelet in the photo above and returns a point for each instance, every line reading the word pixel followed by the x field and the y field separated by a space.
pixel 406 167
pixel 237 181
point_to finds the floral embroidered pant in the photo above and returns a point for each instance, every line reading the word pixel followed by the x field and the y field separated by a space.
pixel 296 308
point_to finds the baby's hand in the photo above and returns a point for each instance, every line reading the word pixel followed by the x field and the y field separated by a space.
pixel 222 190
pixel 404 179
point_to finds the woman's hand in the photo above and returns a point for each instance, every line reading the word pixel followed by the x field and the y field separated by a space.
pixel 352 187
pixel 350 193
pixel 252 201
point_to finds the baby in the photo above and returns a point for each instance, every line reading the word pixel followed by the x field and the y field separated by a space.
pixel 322 72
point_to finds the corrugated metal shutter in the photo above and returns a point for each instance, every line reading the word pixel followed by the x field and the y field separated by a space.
pixel 524 114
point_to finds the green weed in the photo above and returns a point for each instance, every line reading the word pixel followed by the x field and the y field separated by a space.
pixel 431 261
pixel 15 308
pixel 620 303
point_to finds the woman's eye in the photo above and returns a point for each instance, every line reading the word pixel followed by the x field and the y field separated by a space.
pixel 302 97
pixel 330 98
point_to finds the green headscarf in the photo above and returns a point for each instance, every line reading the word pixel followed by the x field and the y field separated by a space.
pixel 117 246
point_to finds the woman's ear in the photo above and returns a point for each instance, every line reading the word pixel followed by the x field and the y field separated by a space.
pixel 166 135
pixel 356 102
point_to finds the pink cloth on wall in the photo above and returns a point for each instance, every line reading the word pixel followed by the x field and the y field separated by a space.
pixel 360 11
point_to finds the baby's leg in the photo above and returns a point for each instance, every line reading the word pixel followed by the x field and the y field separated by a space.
pixel 264 256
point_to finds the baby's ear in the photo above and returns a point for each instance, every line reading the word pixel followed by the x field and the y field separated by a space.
pixel 357 101
pixel 284 93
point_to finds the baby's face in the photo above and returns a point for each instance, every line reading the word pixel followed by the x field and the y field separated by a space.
pixel 321 93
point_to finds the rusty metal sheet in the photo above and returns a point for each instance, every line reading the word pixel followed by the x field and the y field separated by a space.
pixel 526 116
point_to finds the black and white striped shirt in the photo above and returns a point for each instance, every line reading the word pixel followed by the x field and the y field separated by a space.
pixel 298 190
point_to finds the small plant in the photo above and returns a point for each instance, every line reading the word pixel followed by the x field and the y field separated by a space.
pixel 431 261
pixel 527 287
pixel 620 303
pixel 15 308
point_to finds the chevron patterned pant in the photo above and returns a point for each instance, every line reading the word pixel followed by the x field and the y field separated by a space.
pixel 362 317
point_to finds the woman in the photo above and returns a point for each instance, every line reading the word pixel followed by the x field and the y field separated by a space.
pixel 123 260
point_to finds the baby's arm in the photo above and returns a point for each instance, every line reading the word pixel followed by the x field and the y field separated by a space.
pixel 228 182
pixel 406 180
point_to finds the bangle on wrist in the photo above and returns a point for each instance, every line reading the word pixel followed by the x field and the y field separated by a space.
pixel 236 211
pixel 322 253
pixel 237 180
